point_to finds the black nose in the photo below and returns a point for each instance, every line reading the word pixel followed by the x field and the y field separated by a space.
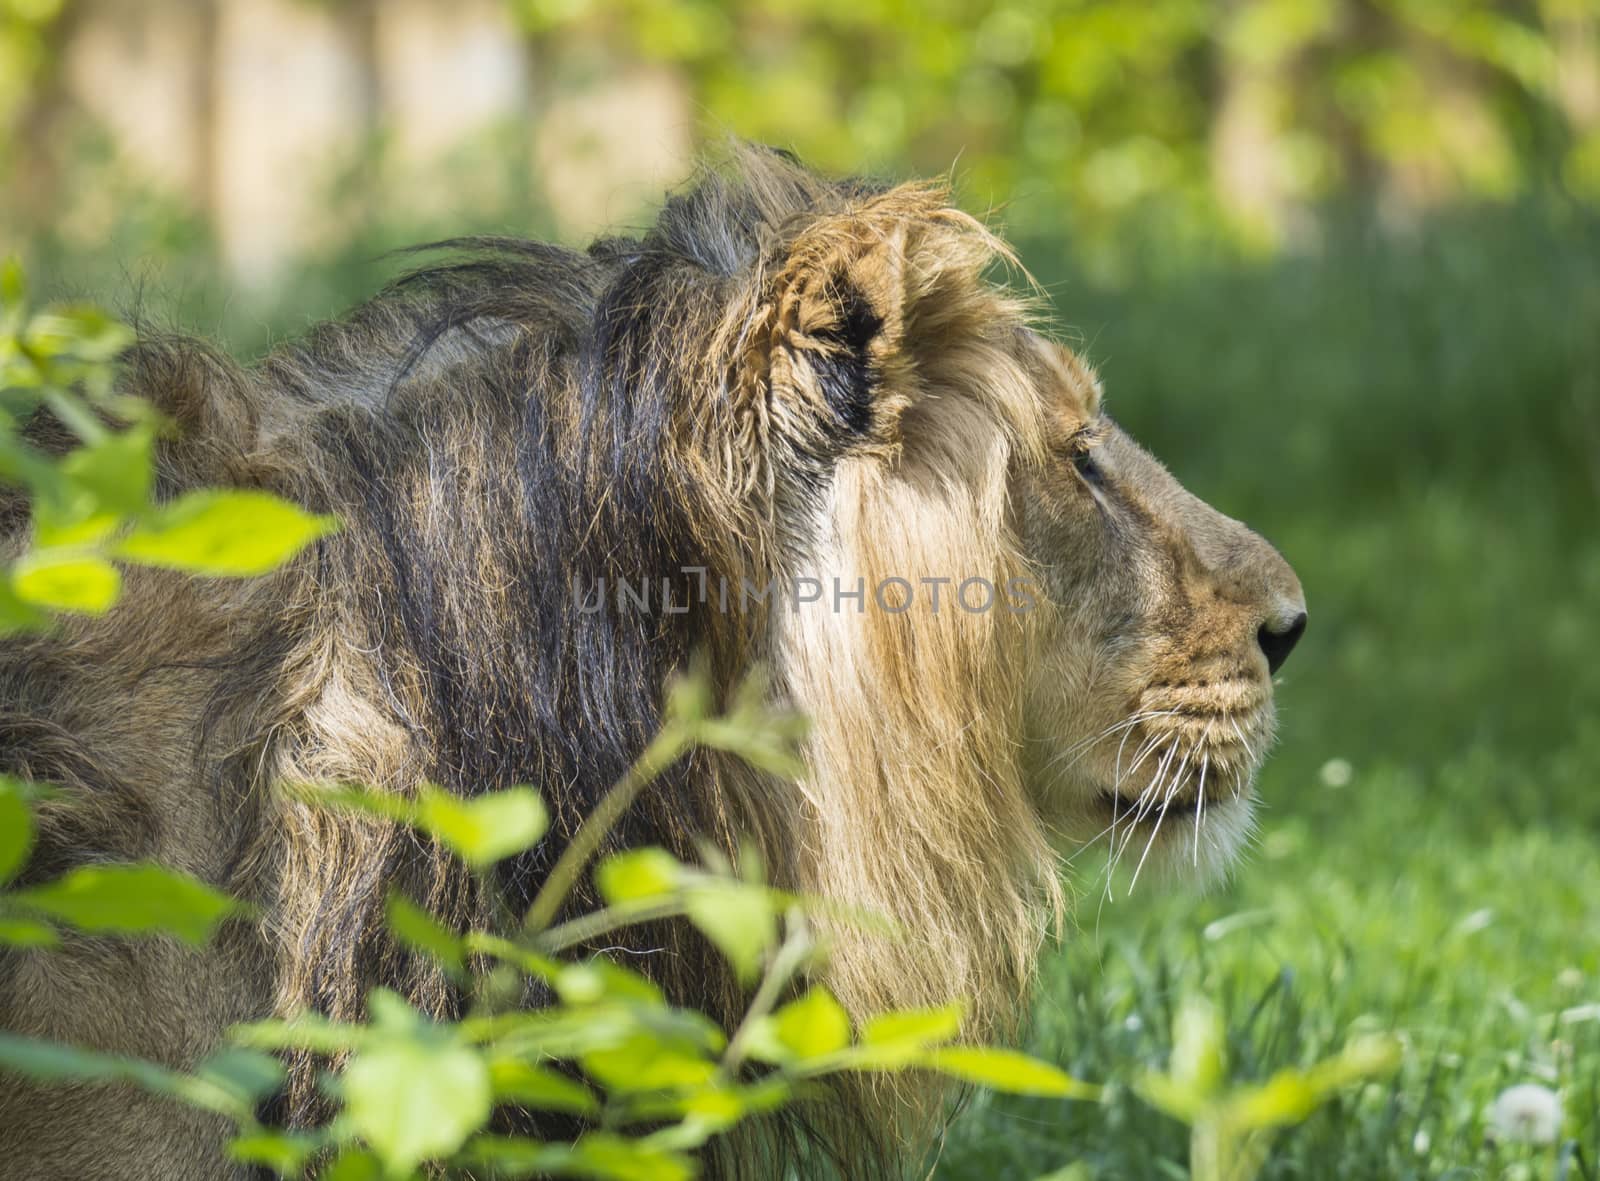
pixel 1277 644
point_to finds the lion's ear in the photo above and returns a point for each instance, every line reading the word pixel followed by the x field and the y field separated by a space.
pixel 869 306
pixel 839 326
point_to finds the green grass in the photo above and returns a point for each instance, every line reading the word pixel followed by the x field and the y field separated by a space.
pixel 1470 947
pixel 1418 427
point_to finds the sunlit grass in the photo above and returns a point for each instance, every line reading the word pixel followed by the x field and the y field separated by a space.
pixel 1480 953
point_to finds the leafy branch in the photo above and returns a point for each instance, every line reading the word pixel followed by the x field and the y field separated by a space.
pixel 93 508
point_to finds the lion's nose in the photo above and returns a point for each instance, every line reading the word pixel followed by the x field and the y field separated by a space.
pixel 1278 641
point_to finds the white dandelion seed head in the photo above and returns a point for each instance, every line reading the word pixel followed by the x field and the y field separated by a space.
pixel 1526 1114
pixel 1337 773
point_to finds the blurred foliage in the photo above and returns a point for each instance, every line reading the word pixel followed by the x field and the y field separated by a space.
pixel 1079 113
pixel 1076 116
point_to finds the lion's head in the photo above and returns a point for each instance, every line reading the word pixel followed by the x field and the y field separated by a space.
pixel 1013 628
pixel 1150 689
pixel 1026 566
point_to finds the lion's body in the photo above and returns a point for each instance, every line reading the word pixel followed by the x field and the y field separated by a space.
pixel 492 433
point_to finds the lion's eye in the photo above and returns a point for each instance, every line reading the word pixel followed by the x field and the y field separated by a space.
pixel 1088 468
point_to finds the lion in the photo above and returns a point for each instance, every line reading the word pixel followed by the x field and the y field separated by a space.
pixel 1012 629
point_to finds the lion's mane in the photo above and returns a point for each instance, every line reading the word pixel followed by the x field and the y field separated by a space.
pixel 783 375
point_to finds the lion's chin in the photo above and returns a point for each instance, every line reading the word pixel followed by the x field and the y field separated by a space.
pixel 1193 843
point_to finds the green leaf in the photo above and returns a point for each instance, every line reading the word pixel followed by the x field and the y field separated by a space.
pixel 140 898
pixel 83 330
pixel 1007 1070
pixel 503 1157
pixel 598 1155
pixel 638 875
pixel 707 1111
pixel 225 533
pixel 690 699
pixel 1285 1098
pixel 307 1031
pixel 355 799
pixel 66 580
pixel 753 728
pixel 740 920
pixel 531 963
pixel 49 1062
pixel 388 1012
pixel 1162 1093
pixel 913 1027
pixel 419 930
pixel 16 829
pixel 353 1165
pixel 1197 1051
pixel 248 1075
pixel 645 1062
pixel 18 932
pixel 416 1098
pixel 486 828
pixel 515 1080
pixel 601 980
pixel 553 1032
pixel 13 284
pixel 285 1153
pixel 614 1158
pixel 78 526
pixel 116 470
pixel 813 1026
pixel 580 984
pixel 1365 1057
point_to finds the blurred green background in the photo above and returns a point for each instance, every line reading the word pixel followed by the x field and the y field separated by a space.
pixel 1339 262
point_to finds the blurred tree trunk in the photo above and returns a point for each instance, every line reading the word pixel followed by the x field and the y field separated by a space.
pixel 1575 35
pixel 358 28
pixel 358 20
pixel 1361 33
pixel 35 164
pixel 206 93
pixel 1245 128
pixel 1242 143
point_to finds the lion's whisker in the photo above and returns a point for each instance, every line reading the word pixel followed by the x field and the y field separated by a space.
pixel 1161 817
pixel 1149 745
pixel 1128 725
pixel 1145 751
pixel 1154 788
pixel 1200 807
pixel 1177 776
pixel 1244 742
pixel 1148 845
pixel 1147 798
